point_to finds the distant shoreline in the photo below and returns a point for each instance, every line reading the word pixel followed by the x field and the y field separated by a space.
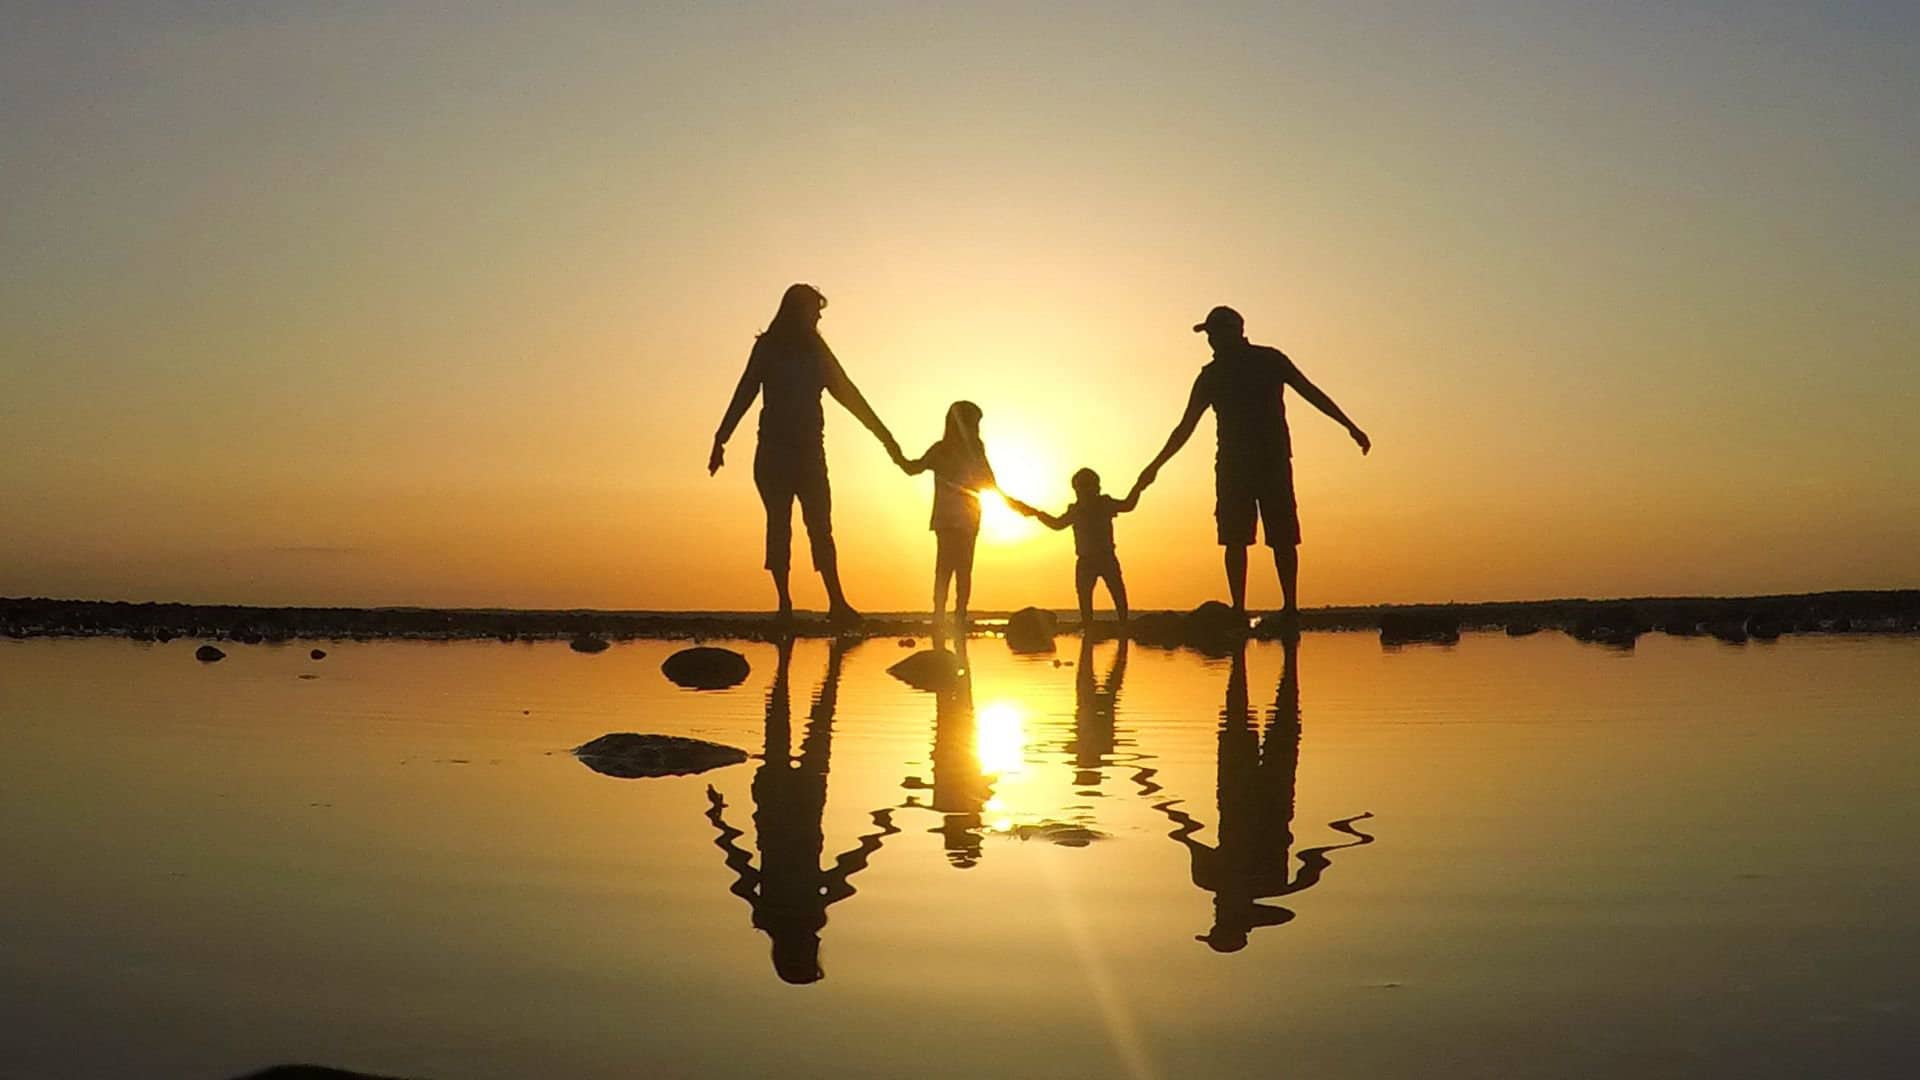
pixel 1857 611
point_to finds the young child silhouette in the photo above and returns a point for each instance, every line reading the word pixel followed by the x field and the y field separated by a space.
pixel 959 465
pixel 1091 517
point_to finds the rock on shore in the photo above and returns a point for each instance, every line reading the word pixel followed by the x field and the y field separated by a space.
pixel 1410 628
pixel 1030 630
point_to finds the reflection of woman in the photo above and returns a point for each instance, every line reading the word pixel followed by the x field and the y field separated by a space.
pixel 789 892
pixel 1250 861
pixel 789 367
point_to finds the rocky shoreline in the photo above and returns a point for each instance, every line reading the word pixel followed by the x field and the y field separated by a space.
pixel 1607 622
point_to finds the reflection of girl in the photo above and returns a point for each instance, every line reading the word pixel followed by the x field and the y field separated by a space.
pixel 961 473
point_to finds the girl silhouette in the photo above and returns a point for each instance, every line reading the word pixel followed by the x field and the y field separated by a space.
pixel 961 473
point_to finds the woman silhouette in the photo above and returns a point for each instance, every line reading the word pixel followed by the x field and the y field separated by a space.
pixel 790 365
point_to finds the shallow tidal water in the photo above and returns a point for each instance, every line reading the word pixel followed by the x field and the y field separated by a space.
pixel 1689 859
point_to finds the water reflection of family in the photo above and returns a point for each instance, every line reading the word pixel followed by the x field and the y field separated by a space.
pixel 1249 862
pixel 790 367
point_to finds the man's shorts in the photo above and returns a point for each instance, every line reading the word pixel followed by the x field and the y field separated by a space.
pixel 1265 491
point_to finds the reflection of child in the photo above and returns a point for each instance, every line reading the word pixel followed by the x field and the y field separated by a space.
pixel 1091 517
pixel 961 473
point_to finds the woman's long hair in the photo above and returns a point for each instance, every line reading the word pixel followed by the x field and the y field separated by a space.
pixel 798 316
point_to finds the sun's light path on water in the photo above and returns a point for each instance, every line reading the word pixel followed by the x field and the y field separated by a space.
pixel 1000 745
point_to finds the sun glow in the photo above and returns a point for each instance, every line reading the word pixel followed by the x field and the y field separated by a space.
pixel 1019 472
pixel 1001 523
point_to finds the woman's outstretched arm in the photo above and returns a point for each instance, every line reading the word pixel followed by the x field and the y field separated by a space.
pixel 743 395
pixel 849 395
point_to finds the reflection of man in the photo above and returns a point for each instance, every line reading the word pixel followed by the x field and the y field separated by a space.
pixel 1253 466
pixel 1250 861
pixel 790 893
pixel 1093 713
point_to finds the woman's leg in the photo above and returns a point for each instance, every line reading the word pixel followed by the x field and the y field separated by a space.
pixel 776 494
pixel 816 510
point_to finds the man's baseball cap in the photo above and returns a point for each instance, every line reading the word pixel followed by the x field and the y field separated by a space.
pixel 1222 318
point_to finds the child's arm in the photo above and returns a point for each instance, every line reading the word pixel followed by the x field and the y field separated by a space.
pixel 1121 506
pixel 920 464
pixel 1042 516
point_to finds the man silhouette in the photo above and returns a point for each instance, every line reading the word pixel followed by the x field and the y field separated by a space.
pixel 1249 860
pixel 1253 465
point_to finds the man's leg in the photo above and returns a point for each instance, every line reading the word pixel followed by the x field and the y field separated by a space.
pixel 1280 518
pixel 1237 575
pixel 1286 561
pixel 1235 511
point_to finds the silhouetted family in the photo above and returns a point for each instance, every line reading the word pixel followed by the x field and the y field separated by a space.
pixel 1244 385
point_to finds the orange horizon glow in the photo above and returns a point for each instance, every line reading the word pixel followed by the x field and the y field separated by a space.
pixel 370 307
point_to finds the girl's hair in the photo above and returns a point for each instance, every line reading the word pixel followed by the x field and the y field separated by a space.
pixel 963 429
pixel 796 317
pixel 962 433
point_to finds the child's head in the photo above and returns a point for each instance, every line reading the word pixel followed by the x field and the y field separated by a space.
pixel 1086 482
pixel 963 422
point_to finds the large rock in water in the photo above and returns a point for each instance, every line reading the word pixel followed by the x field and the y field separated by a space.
pixel 632 757
pixel 587 643
pixel 207 654
pixel 705 667
pixel 1410 628
pixel 930 669
pixel 1030 630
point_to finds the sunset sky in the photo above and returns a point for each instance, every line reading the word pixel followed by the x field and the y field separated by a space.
pixel 440 303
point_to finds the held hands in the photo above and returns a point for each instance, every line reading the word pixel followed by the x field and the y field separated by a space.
pixel 1147 476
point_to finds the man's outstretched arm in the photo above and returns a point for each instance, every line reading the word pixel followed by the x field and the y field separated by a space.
pixel 848 395
pixel 1196 407
pixel 1318 399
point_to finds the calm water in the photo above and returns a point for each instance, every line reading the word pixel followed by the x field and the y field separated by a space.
pixel 1688 860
